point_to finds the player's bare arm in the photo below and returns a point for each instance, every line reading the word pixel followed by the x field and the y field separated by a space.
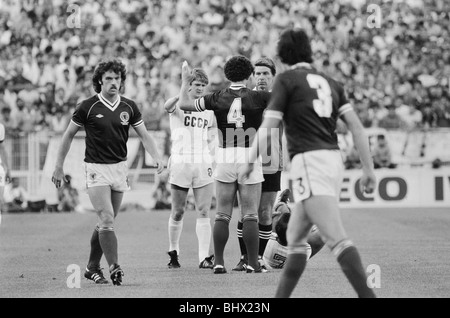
pixel 150 146
pixel 361 141
pixel 66 142
pixel 171 104
pixel 272 119
pixel 185 102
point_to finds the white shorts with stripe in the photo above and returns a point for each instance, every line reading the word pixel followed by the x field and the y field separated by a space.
pixel 190 175
pixel 318 172
pixel 231 163
pixel 114 175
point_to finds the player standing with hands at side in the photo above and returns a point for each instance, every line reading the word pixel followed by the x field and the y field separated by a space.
pixel 106 118
pixel 309 102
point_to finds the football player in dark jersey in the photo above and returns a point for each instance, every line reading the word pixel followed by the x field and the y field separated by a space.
pixel 264 74
pixel 310 102
pixel 238 111
pixel 106 118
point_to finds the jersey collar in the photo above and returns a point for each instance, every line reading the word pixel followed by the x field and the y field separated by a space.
pixel 301 64
pixel 111 106
pixel 237 86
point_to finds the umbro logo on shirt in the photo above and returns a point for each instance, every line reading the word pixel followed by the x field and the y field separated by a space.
pixel 99 116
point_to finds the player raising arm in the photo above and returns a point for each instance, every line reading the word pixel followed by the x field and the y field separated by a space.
pixel 192 136
pixel 238 112
pixel 309 102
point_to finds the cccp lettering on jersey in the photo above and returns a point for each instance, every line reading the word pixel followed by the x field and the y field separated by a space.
pixel 195 122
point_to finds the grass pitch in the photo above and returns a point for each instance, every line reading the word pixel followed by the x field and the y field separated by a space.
pixel 410 246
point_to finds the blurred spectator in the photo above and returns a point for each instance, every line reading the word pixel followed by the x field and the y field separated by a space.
pixel 16 197
pixel 68 197
pixel 429 116
pixel 392 120
pixel 11 128
pixel 353 161
pixel 406 58
pixel 382 156
pixel 22 116
pixel 161 194
pixel 60 120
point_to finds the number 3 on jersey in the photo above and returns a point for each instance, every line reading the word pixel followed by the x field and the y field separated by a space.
pixel 324 105
pixel 235 115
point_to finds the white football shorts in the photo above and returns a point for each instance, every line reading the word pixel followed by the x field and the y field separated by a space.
pixel 231 163
pixel 318 172
pixel 190 175
pixel 114 175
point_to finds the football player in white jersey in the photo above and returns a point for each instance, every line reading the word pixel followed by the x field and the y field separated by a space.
pixel 4 168
pixel 193 143
pixel 276 250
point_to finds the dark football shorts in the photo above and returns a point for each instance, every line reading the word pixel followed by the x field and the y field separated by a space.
pixel 272 182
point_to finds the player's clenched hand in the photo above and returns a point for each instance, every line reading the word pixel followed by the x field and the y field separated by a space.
pixel 368 182
pixel 248 169
pixel 58 177
pixel 159 166
pixel 186 72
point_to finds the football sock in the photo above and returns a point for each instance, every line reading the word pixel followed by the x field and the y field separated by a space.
pixel 292 271
pixel 242 246
pixel 221 232
pixel 96 251
pixel 108 242
pixel 264 235
pixel 350 261
pixel 175 228
pixel 203 230
pixel 251 239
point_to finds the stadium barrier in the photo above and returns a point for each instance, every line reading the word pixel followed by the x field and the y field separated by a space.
pixel 403 187
pixel 414 183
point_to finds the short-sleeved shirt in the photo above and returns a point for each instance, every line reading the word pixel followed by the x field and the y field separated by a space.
pixel 239 112
pixel 107 127
pixel 309 102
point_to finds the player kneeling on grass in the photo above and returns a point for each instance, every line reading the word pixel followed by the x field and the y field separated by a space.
pixel 276 250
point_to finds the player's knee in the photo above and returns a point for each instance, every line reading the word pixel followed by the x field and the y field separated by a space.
pixel 250 218
pixel 177 213
pixel 265 216
pixel 299 247
pixel 106 222
pixel 222 217
pixel 203 211
pixel 103 229
pixel 340 246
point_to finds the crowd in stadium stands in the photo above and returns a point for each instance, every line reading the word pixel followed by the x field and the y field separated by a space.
pixel 397 75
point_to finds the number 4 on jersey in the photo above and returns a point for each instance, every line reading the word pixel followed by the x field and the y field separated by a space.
pixel 235 115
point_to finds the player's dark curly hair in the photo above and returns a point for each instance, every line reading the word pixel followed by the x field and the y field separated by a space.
pixel 294 47
pixel 281 228
pixel 112 65
pixel 238 68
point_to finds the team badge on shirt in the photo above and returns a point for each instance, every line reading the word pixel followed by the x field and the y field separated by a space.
pixel 92 176
pixel 124 117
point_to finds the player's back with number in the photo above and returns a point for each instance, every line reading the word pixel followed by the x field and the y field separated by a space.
pixel 237 110
pixel 315 103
